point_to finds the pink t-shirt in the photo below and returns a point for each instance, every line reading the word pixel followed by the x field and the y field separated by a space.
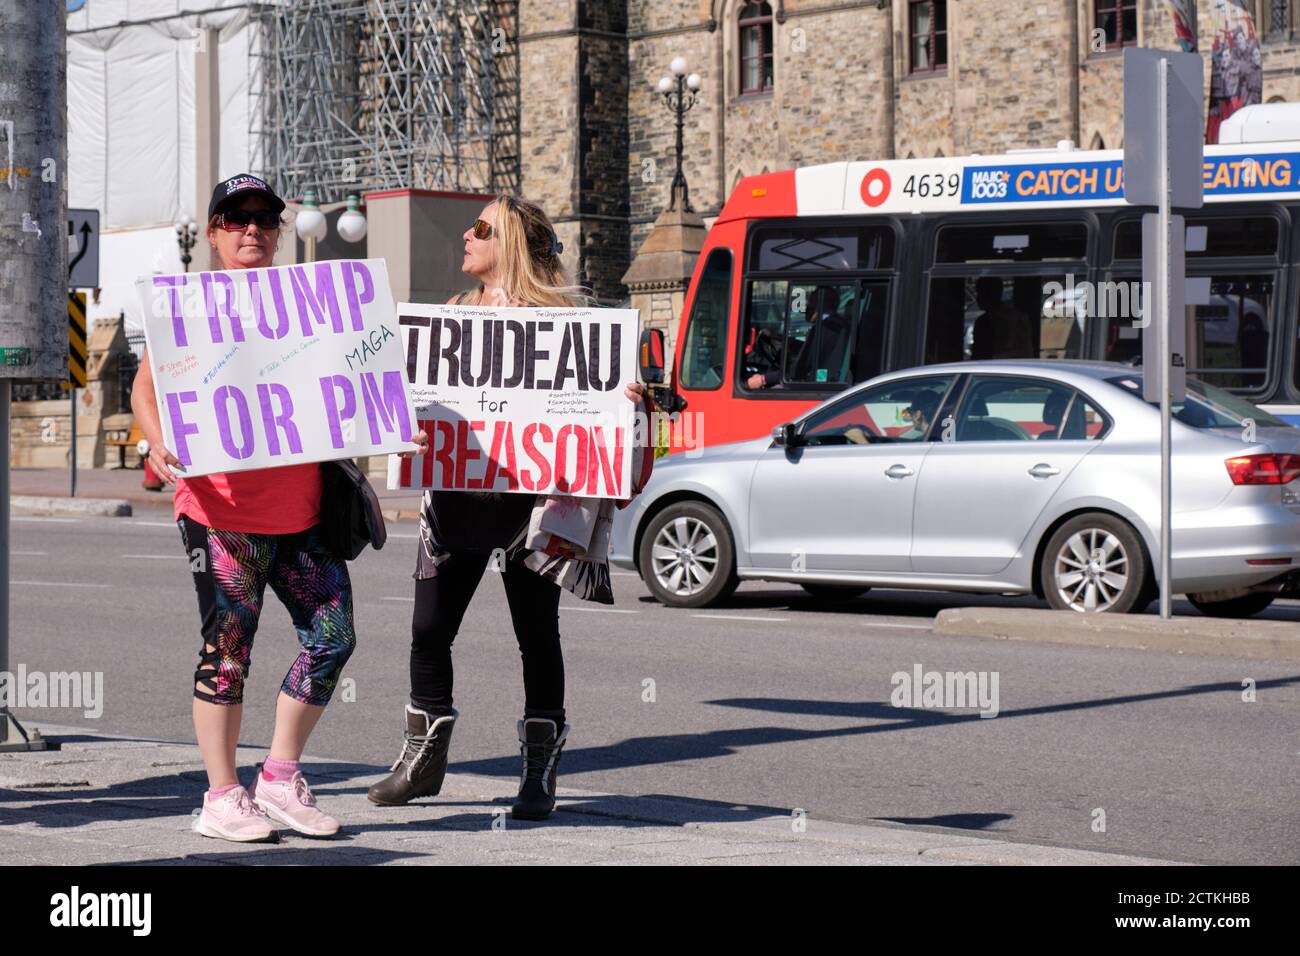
pixel 262 501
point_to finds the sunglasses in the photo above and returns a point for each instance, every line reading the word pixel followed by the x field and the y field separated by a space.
pixel 481 229
pixel 237 220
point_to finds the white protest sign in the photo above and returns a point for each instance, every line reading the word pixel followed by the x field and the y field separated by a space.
pixel 520 400
pixel 255 368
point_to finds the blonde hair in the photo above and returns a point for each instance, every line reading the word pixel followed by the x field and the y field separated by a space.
pixel 528 258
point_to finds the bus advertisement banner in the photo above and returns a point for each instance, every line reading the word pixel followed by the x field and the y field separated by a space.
pixel 1029 181
pixel 526 401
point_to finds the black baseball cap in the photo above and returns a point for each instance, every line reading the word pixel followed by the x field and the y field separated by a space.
pixel 229 190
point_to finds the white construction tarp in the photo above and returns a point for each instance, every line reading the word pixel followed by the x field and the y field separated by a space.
pixel 131 127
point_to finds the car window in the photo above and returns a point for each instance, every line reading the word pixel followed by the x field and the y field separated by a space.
pixel 1206 406
pixel 1003 408
pixel 899 411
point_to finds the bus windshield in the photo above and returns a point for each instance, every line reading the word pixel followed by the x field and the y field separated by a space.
pixel 1207 406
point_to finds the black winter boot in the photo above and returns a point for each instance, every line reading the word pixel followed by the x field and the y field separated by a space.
pixel 540 746
pixel 422 763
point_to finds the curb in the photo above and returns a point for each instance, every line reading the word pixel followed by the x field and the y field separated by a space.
pixel 1257 640
pixel 101 507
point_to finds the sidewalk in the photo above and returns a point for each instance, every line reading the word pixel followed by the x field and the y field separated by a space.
pixel 103 799
pixel 125 484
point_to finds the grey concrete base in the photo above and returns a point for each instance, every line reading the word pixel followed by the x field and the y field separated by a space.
pixel 1259 640
pixel 76 507
pixel 117 800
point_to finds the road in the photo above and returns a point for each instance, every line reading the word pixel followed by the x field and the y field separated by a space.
pixel 773 701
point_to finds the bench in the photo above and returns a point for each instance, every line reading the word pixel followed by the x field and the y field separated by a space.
pixel 122 444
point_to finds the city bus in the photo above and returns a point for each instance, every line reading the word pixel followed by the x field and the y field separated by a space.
pixel 817 278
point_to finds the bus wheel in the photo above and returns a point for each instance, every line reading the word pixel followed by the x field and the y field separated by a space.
pixel 687 558
pixel 1248 605
pixel 834 593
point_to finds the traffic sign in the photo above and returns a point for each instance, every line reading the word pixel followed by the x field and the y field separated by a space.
pixel 1170 152
pixel 83 248
pixel 77 339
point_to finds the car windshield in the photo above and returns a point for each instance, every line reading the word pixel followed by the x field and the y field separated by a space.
pixel 1207 406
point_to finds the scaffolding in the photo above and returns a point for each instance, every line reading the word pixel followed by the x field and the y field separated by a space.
pixel 364 95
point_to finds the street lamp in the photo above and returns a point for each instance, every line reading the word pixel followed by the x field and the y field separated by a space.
pixel 310 223
pixel 187 234
pixel 352 224
pixel 680 93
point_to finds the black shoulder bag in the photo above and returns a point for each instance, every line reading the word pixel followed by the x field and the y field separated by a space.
pixel 349 510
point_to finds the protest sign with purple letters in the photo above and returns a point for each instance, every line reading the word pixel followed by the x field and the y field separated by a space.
pixel 521 400
pixel 255 368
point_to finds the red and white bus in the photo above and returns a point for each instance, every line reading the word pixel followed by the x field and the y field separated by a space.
pixel 817 278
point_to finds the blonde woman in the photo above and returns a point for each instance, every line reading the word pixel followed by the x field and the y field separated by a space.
pixel 513 252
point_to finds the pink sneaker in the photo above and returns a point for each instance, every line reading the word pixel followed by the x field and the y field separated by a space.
pixel 232 816
pixel 291 802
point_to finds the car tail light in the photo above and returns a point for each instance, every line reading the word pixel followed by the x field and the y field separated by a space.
pixel 1263 469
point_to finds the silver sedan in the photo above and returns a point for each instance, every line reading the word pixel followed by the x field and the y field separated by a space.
pixel 1024 477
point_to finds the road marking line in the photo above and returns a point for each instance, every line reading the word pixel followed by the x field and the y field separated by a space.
pixel 623 574
pixel 158 557
pixel 741 617
pixel 399 599
pixel 600 610
pixel 910 627
pixel 39 554
pixel 63 584
pixel 408 537
pixel 52 520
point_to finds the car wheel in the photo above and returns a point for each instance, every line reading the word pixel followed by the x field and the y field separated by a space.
pixel 1095 563
pixel 835 592
pixel 687 557
pixel 1248 605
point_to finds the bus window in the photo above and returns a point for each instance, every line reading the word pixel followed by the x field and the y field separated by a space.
pixel 822 249
pixel 1227 338
pixel 1224 238
pixel 1017 242
pixel 1002 317
pixel 704 351
pixel 802 334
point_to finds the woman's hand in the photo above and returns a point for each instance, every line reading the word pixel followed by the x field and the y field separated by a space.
pixel 161 459
pixel 635 392
pixel 419 439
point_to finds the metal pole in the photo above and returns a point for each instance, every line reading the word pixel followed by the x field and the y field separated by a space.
pixel 72 411
pixel 33 240
pixel 5 392
pixel 1163 317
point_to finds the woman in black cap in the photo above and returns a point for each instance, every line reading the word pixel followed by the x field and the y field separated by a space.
pixel 243 531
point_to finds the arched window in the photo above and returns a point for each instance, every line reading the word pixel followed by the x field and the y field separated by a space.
pixel 755 47
pixel 1097 142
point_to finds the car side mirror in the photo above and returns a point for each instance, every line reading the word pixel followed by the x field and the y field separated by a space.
pixel 651 351
pixel 785 435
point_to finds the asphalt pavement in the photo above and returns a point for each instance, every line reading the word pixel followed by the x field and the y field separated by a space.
pixel 772 702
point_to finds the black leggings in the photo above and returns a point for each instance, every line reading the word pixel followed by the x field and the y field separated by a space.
pixel 440 604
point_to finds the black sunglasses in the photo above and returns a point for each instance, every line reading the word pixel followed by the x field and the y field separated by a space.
pixel 237 220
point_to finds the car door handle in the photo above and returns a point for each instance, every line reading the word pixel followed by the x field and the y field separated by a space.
pixel 1044 470
pixel 898 471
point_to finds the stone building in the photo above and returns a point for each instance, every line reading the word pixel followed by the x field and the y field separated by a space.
pixel 798 82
